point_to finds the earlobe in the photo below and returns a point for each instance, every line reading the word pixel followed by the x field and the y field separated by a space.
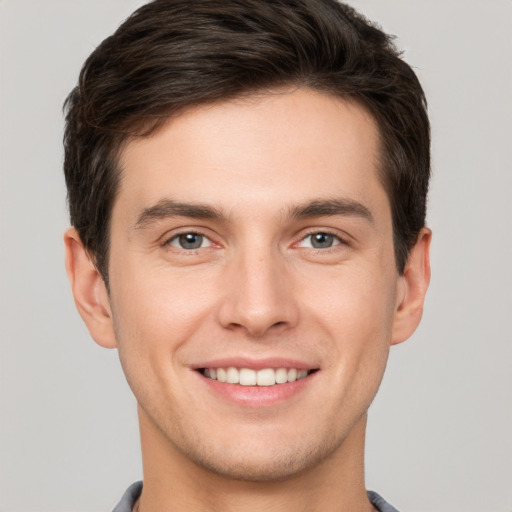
pixel 412 288
pixel 89 291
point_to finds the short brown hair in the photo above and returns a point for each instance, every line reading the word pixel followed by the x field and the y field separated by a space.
pixel 174 54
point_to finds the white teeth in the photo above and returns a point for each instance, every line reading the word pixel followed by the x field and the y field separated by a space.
pixel 248 377
pixel 281 376
pixel 301 374
pixel 266 377
pixel 232 375
pixel 292 375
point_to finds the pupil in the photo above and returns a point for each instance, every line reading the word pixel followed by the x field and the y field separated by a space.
pixel 321 240
pixel 191 241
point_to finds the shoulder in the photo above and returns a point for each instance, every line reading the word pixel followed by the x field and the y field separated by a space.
pixel 380 503
pixel 129 498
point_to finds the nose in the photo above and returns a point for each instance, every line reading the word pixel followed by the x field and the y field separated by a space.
pixel 258 296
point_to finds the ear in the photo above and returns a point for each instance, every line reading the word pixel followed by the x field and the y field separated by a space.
pixel 89 291
pixel 412 287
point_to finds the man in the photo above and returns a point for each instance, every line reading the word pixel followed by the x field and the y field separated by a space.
pixel 247 183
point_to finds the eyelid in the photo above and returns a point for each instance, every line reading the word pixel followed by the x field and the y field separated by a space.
pixel 168 237
pixel 176 238
pixel 342 238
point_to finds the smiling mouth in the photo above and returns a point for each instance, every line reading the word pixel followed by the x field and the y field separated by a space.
pixel 249 377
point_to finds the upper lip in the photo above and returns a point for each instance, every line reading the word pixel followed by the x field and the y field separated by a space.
pixel 255 364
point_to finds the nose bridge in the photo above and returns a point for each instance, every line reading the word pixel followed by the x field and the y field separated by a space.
pixel 258 294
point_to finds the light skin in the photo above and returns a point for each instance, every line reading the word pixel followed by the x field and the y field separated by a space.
pixel 253 233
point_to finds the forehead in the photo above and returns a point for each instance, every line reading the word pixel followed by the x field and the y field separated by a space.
pixel 258 151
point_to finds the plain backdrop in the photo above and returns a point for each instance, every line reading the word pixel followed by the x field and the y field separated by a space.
pixel 440 429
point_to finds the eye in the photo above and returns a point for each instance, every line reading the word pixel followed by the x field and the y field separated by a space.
pixel 190 241
pixel 320 240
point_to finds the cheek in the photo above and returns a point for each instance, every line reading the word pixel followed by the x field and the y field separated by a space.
pixel 356 316
pixel 160 299
pixel 356 305
pixel 155 313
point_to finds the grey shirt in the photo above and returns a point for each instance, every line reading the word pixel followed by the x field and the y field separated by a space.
pixel 133 492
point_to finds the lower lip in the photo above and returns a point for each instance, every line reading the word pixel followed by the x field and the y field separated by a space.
pixel 257 396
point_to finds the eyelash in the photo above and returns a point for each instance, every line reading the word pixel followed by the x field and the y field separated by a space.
pixel 176 236
pixel 338 240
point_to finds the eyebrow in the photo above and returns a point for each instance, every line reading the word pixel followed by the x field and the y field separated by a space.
pixel 169 208
pixel 332 207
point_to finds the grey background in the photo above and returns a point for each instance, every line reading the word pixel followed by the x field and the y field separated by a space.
pixel 440 429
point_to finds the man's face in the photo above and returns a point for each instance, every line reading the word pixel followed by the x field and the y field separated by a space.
pixel 254 235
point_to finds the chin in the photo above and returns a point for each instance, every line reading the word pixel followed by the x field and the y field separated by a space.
pixel 264 461
pixel 280 468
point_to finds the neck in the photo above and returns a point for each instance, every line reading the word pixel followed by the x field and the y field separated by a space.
pixel 172 482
